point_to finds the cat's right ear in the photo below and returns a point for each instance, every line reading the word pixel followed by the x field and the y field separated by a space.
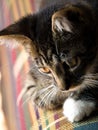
pixel 68 18
pixel 60 23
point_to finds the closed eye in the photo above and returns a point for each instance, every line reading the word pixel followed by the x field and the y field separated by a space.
pixel 44 70
pixel 73 63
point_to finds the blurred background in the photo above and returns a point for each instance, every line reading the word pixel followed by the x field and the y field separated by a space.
pixel 12 10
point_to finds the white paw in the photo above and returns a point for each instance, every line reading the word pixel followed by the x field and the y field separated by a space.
pixel 77 110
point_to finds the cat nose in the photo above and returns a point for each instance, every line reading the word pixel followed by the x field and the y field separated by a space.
pixel 61 83
pixel 59 76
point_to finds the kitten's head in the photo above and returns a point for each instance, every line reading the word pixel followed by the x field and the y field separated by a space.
pixel 58 66
pixel 74 34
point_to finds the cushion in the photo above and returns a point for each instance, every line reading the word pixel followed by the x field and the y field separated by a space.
pixel 14 65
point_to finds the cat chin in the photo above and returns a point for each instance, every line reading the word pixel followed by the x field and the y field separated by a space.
pixel 76 110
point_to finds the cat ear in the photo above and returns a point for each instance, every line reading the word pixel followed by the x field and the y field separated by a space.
pixel 30 46
pixel 14 41
pixel 60 24
pixel 63 20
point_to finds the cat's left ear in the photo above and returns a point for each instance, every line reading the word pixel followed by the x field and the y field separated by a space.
pixel 29 46
pixel 14 41
pixel 66 18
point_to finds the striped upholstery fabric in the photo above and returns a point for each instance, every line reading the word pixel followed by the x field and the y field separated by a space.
pixel 14 64
pixel 12 10
pixel 11 70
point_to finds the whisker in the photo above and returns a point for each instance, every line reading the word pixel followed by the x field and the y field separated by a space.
pixel 91 82
pixel 44 89
pixel 21 95
pixel 50 96
pixel 26 101
pixel 33 95
pixel 91 76
pixel 48 99
pixel 53 123
pixel 43 99
pixel 90 79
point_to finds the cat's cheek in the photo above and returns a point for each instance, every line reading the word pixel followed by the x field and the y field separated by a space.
pixel 76 110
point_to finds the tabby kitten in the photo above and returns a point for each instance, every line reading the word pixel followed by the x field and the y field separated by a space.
pixel 64 55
